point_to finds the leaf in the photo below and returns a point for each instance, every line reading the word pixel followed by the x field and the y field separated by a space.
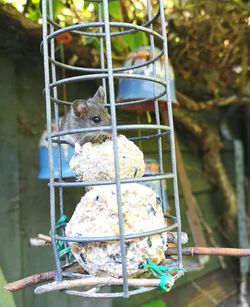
pixel 115 9
pixel 96 43
pixel 57 7
pixel 33 14
pixel 6 298
pixel 134 41
pixel 35 1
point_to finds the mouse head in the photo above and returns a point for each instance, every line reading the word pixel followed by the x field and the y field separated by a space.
pixel 92 111
pixel 81 107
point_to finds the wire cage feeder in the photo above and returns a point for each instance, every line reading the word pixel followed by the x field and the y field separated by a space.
pixel 104 30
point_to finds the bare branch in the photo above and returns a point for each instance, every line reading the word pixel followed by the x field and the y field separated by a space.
pixel 95 281
pixel 210 251
pixel 30 281
pixel 193 105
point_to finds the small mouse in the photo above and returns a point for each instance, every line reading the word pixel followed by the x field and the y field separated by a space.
pixel 87 113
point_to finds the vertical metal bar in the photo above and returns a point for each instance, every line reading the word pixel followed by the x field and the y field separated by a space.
pixel 56 110
pixel 48 118
pixel 102 49
pixel 156 107
pixel 241 218
pixel 171 124
pixel 241 201
pixel 114 135
pixel 53 74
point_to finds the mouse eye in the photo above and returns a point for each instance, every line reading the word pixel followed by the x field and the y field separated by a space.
pixel 96 119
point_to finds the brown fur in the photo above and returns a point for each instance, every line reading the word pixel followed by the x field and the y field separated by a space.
pixel 82 114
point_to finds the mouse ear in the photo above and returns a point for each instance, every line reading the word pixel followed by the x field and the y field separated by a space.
pixel 99 95
pixel 80 107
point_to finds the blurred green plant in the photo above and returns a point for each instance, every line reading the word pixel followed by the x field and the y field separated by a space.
pixel 209 41
pixel 154 303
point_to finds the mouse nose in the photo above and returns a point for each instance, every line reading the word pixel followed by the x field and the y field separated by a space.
pixel 109 134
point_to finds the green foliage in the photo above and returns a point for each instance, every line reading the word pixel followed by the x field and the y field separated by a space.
pixel 6 298
pixel 115 9
pixel 209 41
pixel 58 6
pixel 155 303
pixel 34 15
pixel 134 41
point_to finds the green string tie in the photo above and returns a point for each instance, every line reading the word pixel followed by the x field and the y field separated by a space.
pixel 162 272
pixel 62 219
pixel 62 247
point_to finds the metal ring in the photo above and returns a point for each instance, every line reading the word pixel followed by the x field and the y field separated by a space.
pixel 97 24
pixel 96 70
pixel 107 128
pixel 147 24
pixel 135 138
pixel 108 295
pixel 111 182
pixel 150 136
pixel 105 76
pixel 102 24
pixel 118 104
pixel 116 238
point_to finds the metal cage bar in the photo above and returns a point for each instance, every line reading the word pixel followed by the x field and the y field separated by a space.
pixel 106 73
pixel 171 124
pixel 115 145
pixel 50 149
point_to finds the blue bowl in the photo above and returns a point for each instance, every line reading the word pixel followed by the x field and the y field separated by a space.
pixel 67 153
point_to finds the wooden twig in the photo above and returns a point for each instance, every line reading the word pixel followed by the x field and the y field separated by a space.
pixel 193 105
pixel 94 281
pixel 189 251
pixel 41 240
pixel 44 237
pixel 210 251
pixel 30 281
pixel 39 278
pixel 38 242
